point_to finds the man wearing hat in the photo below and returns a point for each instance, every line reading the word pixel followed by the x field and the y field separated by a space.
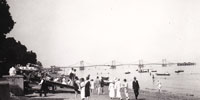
pixel 136 87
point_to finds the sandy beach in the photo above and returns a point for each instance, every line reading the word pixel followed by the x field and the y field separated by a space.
pixel 144 95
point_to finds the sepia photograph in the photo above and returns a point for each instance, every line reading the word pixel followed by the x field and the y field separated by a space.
pixel 99 50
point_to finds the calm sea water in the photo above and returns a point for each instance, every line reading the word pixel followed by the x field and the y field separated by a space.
pixel 187 82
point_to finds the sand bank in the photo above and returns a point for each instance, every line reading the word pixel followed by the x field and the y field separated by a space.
pixel 144 95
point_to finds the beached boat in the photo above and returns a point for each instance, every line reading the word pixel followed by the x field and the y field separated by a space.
pixel 178 71
pixel 106 81
pixel 105 78
pixel 162 74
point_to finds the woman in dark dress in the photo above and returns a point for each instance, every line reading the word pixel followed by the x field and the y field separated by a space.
pixel 76 86
pixel 87 88
pixel 102 85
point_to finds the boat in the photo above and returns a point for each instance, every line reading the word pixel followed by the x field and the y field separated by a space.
pixel 143 70
pixel 162 74
pixel 127 72
pixel 106 81
pixel 153 70
pixel 186 64
pixel 178 71
pixel 105 78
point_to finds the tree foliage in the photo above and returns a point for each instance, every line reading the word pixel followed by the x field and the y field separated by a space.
pixel 11 51
pixel 6 21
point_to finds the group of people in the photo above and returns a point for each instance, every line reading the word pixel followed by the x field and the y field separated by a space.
pixel 115 86
pixel 87 86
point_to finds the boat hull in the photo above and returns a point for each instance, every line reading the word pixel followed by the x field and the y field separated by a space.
pixel 162 74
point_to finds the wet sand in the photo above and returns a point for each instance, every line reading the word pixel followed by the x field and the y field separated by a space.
pixel 144 95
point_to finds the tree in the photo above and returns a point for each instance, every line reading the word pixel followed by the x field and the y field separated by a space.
pixel 6 21
pixel 11 51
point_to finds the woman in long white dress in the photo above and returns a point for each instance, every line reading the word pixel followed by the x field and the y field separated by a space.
pixel 125 86
pixel 111 89
pixel 82 87
pixel 159 86
pixel 92 85
pixel 118 88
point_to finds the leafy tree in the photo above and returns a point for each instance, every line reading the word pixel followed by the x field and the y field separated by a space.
pixel 11 51
pixel 6 21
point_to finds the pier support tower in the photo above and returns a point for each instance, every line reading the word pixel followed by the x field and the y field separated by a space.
pixel 164 62
pixel 140 64
pixel 113 66
pixel 82 65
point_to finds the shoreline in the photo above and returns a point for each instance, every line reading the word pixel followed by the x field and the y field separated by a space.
pixel 144 95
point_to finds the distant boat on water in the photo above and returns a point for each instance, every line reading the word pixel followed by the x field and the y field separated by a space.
pixel 162 74
pixel 178 71
pixel 153 70
pixel 127 72
pixel 186 64
pixel 143 70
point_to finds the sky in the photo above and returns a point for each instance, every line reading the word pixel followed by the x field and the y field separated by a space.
pixel 64 32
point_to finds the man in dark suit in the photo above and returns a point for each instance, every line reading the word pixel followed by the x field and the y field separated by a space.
pixel 136 87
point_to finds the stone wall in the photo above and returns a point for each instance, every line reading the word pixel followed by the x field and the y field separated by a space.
pixel 4 90
pixel 16 84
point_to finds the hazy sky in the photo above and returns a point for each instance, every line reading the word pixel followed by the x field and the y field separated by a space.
pixel 63 32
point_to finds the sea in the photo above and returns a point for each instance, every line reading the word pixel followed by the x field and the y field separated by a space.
pixel 186 83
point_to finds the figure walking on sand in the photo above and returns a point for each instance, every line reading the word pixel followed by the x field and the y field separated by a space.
pixel 76 86
pixel 82 87
pixel 125 86
pixel 97 85
pixel 87 88
pixel 92 85
pixel 102 85
pixel 111 89
pixel 136 87
pixel 118 88
pixel 44 87
pixel 159 86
